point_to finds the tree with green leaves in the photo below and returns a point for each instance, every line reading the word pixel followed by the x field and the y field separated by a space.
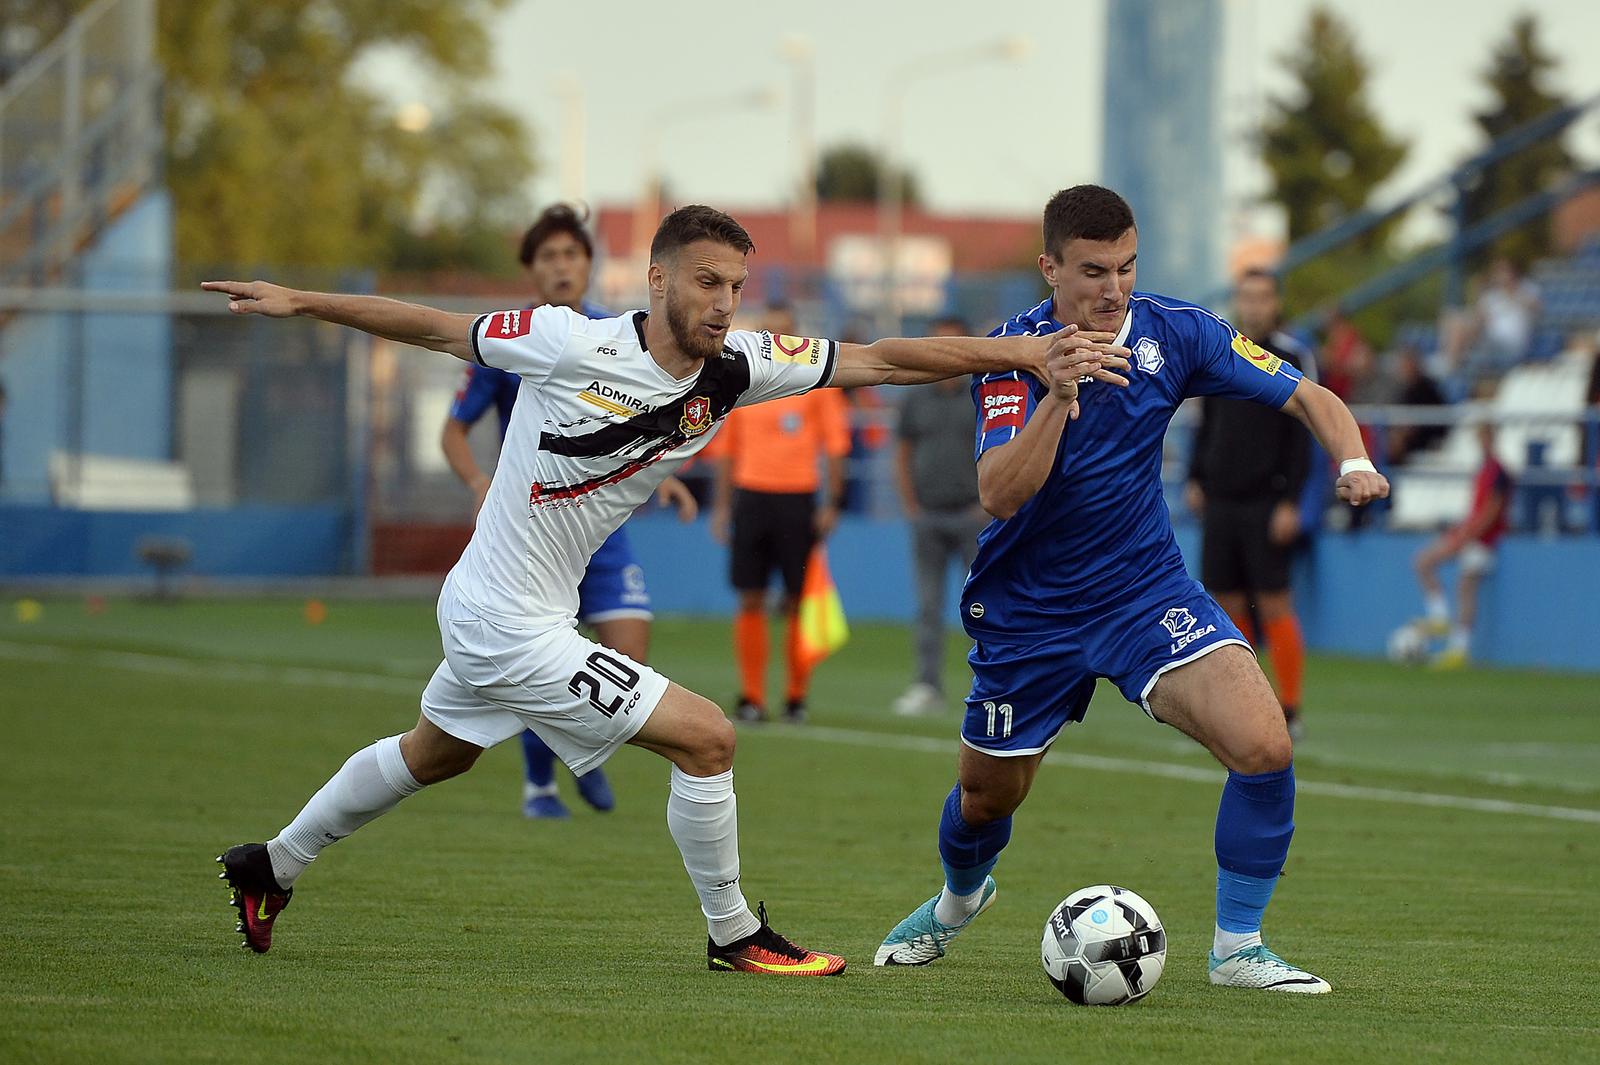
pixel 1519 75
pixel 850 173
pixel 1327 150
pixel 1324 144
pixel 277 154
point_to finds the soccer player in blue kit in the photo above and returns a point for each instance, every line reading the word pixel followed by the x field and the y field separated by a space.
pixel 1079 577
pixel 613 600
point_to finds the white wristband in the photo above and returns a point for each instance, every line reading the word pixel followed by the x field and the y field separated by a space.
pixel 1361 465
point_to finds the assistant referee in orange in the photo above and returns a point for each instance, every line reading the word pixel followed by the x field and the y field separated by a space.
pixel 773 458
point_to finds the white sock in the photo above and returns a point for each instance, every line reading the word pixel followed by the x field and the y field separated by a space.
pixel 702 815
pixel 1438 606
pixel 531 790
pixel 953 909
pixel 1460 638
pixel 370 783
pixel 1226 943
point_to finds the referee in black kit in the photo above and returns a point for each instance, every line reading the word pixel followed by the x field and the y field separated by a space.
pixel 1246 475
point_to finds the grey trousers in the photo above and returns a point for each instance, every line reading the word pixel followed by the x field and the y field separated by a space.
pixel 937 538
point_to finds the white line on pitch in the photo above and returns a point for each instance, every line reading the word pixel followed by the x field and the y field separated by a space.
pixel 332 678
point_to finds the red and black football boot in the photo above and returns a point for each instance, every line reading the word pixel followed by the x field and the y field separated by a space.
pixel 765 951
pixel 256 893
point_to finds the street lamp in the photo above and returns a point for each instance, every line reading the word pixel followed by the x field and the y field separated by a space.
pixel 799 51
pixel 891 195
pixel 648 211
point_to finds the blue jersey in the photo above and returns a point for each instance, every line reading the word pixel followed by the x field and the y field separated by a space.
pixel 487 387
pixel 1097 536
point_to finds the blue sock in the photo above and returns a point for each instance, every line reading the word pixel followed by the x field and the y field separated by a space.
pixel 540 760
pixel 968 853
pixel 1255 822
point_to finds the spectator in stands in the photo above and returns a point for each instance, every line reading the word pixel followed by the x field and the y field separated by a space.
pixel 938 485
pixel 1414 388
pixel 1473 543
pixel 1345 354
pixel 1504 317
pixel 766 509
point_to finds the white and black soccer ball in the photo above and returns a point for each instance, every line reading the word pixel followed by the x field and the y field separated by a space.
pixel 1408 644
pixel 1104 946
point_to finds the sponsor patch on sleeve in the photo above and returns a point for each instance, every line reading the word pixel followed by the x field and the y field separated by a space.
pixel 1255 354
pixel 508 325
pixel 804 351
pixel 1004 404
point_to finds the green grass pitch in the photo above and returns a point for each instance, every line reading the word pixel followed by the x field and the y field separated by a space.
pixel 1445 875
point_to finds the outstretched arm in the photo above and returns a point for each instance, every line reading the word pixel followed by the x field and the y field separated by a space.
pixel 407 323
pixel 1331 422
pixel 912 361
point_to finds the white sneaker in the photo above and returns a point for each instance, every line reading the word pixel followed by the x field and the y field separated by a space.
pixel 1258 967
pixel 921 698
pixel 922 937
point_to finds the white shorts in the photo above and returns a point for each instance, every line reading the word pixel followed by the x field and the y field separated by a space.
pixel 1477 557
pixel 582 699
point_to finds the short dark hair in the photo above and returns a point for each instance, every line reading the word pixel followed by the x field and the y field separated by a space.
pixel 1261 273
pixel 1084 212
pixel 557 218
pixel 698 222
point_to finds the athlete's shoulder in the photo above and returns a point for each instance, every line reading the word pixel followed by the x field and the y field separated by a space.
pixel 1034 321
pixel 1175 313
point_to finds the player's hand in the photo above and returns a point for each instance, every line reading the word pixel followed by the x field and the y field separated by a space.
pixel 480 492
pixel 674 493
pixel 1194 497
pixel 827 517
pixel 1358 487
pixel 1283 527
pixel 1075 356
pixel 256 297
pixel 721 522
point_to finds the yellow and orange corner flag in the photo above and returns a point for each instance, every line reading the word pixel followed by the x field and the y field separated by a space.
pixel 823 629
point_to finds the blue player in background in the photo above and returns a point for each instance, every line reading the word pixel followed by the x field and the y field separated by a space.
pixel 558 252
pixel 1079 577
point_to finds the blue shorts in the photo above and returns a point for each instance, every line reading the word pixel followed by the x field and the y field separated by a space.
pixel 613 585
pixel 1026 689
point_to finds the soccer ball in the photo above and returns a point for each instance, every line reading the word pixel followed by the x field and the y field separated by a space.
pixel 1104 946
pixel 1408 644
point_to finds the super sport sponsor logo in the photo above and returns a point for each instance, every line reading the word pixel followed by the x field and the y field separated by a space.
pixel 1255 354
pixel 509 325
pixel 803 351
pixel 1002 404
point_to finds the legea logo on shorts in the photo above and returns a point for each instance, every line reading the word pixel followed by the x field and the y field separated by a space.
pixel 1180 623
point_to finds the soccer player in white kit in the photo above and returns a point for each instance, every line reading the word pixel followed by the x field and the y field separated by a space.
pixel 607 409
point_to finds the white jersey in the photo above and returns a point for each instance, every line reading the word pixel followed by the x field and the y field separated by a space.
pixel 597 425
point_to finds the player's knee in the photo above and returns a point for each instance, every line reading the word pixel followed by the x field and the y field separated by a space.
pixel 430 763
pixel 990 802
pixel 710 748
pixel 1266 754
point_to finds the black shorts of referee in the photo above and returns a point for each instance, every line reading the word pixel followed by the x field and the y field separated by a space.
pixel 771 531
pixel 1236 550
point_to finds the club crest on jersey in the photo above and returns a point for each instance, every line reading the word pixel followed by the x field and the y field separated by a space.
pixel 1147 354
pixel 509 325
pixel 1255 354
pixel 696 416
